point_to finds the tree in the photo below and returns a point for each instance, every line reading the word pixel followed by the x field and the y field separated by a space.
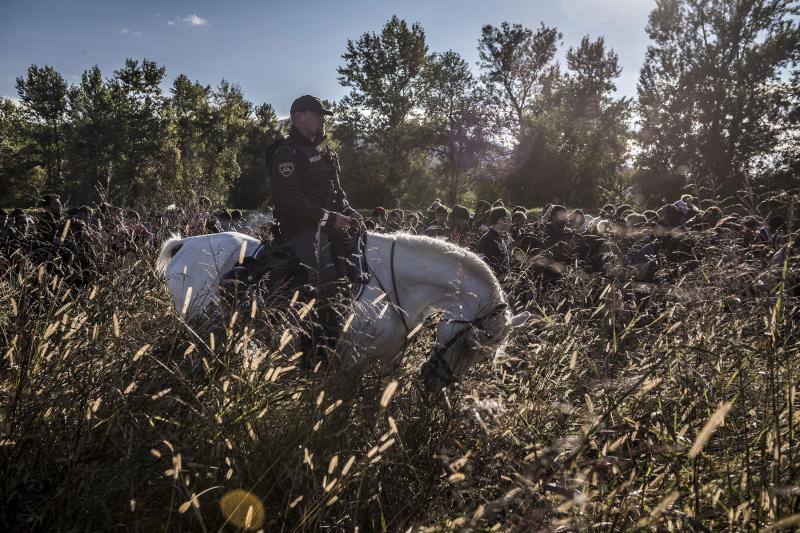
pixel 579 137
pixel 43 94
pixel 252 187
pixel 597 124
pixel 191 106
pixel 711 90
pixel 453 114
pixel 516 62
pixel 229 127
pixel 383 72
pixel 211 127
pixel 20 173
pixel 141 124
pixel 92 134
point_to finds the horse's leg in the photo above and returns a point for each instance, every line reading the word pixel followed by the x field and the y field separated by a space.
pixel 352 361
pixel 392 363
pixel 363 344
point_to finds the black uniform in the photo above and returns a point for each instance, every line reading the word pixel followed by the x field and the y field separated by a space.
pixel 305 185
pixel 492 247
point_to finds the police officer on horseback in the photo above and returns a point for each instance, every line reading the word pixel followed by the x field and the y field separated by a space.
pixel 310 206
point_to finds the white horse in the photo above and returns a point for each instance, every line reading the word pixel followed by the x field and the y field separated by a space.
pixel 412 278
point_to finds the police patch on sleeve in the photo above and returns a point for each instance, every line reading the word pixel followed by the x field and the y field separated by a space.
pixel 286 168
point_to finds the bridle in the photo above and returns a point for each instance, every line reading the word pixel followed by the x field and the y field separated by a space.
pixel 437 361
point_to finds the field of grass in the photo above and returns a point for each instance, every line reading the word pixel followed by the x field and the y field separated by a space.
pixel 608 412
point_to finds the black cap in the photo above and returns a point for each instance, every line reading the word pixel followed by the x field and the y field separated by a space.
pixel 309 103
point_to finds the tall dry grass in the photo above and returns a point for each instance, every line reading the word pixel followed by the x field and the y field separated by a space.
pixel 673 411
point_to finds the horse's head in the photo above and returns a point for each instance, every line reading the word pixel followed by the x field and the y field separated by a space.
pixel 461 343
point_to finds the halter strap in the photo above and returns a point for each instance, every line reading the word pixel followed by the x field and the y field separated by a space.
pixel 438 355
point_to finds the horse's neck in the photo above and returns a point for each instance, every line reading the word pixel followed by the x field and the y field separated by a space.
pixel 429 281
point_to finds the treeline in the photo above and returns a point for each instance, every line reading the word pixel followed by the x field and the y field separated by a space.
pixel 717 113
pixel 122 138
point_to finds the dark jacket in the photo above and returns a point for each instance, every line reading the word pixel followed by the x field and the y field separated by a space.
pixel 437 230
pixel 46 228
pixel 305 183
pixel 494 251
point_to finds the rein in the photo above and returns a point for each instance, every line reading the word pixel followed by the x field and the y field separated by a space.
pixel 399 309
pixel 396 304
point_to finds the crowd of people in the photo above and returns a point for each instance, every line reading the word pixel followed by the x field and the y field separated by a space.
pixel 617 242
pixel 79 241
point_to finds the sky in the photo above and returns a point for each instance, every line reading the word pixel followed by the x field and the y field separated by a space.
pixel 277 51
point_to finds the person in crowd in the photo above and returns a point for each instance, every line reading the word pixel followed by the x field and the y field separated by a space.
pixel 634 221
pixel 641 259
pixel 771 232
pixel 430 213
pixel 710 217
pixel 482 208
pixel 751 225
pixel 22 238
pixel 492 245
pixel 518 221
pixel 460 233
pixel 621 212
pixel 200 220
pixel 237 224
pixel 395 220
pixel 557 237
pixel 223 218
pixel 438 228
pixel 48 219
pixel 670 217
pixel 140 235
pixel 379 218
pixel 577 221
pixel 651 217
pixel 412 222
pixel 687 205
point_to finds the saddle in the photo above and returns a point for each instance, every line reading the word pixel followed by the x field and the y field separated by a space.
pixel 273 269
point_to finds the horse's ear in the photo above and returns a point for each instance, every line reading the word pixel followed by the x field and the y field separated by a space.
pixel 520 319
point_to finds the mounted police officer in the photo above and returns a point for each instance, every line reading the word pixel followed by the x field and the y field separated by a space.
pixel 310 206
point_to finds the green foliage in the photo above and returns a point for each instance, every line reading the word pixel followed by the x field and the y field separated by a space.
pixel 43 93
pixel 718 111
pixel 516 63
pixel 578 140
pixel 252 189
pixel 122 138
pixel 384 73
pixel 20 173
pixel 713 91
pixel 93 133
pixel 458 126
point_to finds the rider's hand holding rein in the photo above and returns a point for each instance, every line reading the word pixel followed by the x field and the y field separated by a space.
pixel 337 221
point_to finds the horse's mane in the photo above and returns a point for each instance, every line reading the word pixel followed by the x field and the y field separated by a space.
pixel 471 261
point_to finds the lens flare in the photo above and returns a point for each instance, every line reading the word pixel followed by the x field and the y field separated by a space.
pixel 243 509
